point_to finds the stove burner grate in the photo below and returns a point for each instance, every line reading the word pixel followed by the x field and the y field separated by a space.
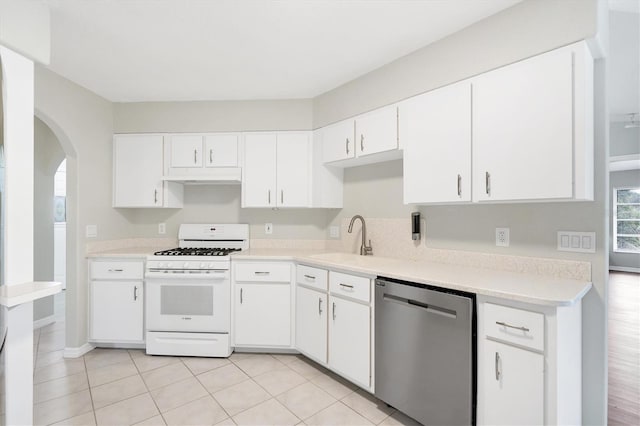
pixel 195 251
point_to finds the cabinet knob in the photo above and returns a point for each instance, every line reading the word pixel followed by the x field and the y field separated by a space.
pixel 362 143
pixel 487 182
pixel 241 296
pixel 155 196
pixel 211 156
pixel 319 306
pixel 135 292
pixel 497 366
pixel 195 156
pixel 346 145
pixel 459 186
pixel 334 311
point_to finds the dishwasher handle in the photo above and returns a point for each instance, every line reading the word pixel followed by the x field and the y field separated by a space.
pixel 434 309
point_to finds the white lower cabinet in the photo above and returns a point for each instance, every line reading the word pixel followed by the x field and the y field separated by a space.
pixel 262 304
pixel 116 302
pixel 529 363
pixel 517 388
pixel 334 322
pixel 311 323
pixel 350 340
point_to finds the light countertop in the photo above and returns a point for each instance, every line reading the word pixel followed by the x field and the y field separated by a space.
pixel 13 295
pixel 528 288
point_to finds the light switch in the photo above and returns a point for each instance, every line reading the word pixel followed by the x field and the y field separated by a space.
pixel 582 242
pixel 92 231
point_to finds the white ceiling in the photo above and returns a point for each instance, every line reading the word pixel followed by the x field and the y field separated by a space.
pixel 171 50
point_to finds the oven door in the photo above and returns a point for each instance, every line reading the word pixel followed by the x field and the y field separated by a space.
pixel 188 301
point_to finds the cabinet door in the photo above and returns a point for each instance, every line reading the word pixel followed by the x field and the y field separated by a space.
pixel 523 130
pixel 350 339
pixel 437 146
pixel 221 150
pixel 293 170
pixel 116 311
pixel 338 141
pixel 377 131
pixel 311 323
pixel 137 171
pixel 186 150
pixel 263 314
pixel 259 170
pixel 513 385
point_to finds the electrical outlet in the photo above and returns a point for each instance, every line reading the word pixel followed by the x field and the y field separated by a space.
pixel 162 228
pixel 502 237
pixel 92 231
pixel 268 228
pixel 334 231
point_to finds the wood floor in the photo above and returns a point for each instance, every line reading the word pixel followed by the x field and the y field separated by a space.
pixel 624 348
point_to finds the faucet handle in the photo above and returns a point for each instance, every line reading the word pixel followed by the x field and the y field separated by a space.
pixel 368 249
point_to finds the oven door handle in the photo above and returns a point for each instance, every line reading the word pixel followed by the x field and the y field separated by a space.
pixel 174 276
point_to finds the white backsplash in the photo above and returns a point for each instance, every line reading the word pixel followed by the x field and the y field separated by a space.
pixel 108 245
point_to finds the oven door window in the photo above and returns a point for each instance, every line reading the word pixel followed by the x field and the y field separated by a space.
pixel 186 300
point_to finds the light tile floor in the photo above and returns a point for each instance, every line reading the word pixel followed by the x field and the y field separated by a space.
pixel 125 387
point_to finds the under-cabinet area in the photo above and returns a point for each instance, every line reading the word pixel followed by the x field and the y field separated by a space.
pixel 338 311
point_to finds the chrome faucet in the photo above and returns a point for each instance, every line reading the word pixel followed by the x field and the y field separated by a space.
pixel 364 248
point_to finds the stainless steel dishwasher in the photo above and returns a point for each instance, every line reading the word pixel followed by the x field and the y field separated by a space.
pixel 425 351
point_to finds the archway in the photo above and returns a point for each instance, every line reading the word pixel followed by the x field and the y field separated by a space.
pixel 72 279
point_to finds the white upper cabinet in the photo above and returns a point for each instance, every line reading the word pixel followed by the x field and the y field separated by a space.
pixel 293 169
pixel 221 150
pixel 202 157
pixel 338 141
pixel 365 139
pixel 532 129
pixel 138 162
pixel 276 169
pixel 377 131
pixel 186 150
pixel 437 146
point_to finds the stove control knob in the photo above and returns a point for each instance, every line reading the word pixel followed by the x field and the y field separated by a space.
pixel 162 265
pixel 203 265
pixel 186 265
pixel 211 265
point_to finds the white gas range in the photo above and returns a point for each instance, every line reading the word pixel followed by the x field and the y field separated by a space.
pixel 188 291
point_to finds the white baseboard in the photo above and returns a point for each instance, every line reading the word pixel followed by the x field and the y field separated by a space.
pixel 44 321
pixel 78 351
pixel 624 269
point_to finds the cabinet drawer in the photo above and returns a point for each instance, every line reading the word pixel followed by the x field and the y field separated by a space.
pixel 263 272
pixel 350 286
pixel 116 270
pixel 312 277
pixel 524 328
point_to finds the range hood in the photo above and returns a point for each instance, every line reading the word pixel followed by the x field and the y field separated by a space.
pixel 212 176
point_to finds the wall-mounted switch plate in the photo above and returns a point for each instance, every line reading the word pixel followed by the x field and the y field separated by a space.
pixel 162 228
pixel 92 231
pixel 502 237
pixel 334 231
pixel 268 228
pixel 581 242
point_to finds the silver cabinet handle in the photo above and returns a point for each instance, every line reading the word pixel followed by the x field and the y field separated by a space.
pixel 459 186
pixel 362 143
pixel 241 296
pixel 116 270
pixel 319 306
pixel 334 311
pixel 487 182
pixel 135 292
pixel 497 367
pixel 262 272
pixel 282 196
pixel 504 324
pixel 346 285
pixel 269 197
pixel 155 196
pixel 346 145
pixel 195 156
pixel 210 156
pixel 310 277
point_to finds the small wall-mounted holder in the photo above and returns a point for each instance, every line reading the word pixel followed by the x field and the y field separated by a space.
pixel 415 226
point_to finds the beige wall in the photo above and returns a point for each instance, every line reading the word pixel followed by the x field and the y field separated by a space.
pixel 220 203
pixel 47 157
pixel 526 29
pixel 83 124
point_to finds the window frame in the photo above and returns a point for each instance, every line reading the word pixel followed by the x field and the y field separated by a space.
pixel 615 220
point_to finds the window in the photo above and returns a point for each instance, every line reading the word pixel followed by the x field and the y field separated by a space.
pixel 626 220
